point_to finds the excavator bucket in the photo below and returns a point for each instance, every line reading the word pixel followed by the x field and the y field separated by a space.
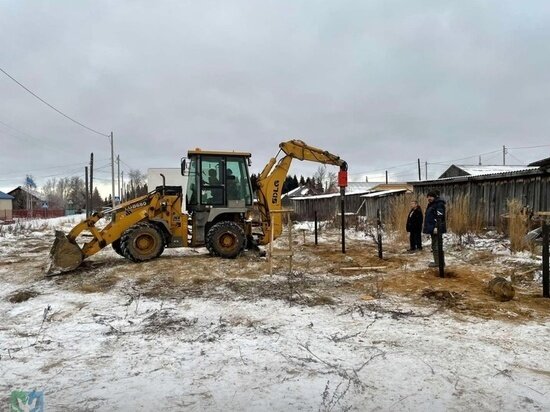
pixel 64 254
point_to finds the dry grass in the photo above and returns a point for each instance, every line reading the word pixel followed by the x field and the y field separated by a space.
pixel 461 219
pixel 97 283
pixel 400 206
pixel 517 226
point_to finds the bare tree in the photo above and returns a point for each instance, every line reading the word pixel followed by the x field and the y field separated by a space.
pixel 136 182
pixel 319 177
pixel 325 181
pixel 332 182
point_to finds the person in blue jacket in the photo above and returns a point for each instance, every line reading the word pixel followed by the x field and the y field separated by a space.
pixel 434 211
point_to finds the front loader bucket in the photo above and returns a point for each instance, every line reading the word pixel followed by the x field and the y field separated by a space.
pixel 64 254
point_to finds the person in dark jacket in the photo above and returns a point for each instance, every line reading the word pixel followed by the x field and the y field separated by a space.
pixel 434 211
pixel 414 226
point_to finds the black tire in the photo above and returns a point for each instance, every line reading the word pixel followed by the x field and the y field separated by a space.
pixel 142 242
pixel 226 239
pixel 117 248
pixel 207 243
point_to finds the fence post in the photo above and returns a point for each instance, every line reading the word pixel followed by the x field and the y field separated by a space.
pixel 342 211
pixel 379 233
pixel 316 242
pixel 545 260
pixel 440 254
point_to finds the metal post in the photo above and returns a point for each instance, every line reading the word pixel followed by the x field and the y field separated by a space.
pixel 316 242
pixel 92 181
pixel 342 211
pixel 440 254
pixel 118 174
pixel 379 233
pixel 112 171
pixel 386 177
pixel 545 260
pixel 419 173
pixel 87 192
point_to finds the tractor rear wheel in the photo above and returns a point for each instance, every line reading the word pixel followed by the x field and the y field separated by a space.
pixel 142 242
pixel 225 239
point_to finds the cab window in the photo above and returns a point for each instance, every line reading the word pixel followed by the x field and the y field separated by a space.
pixel 212 180
pixel 192 183
pixel 238 187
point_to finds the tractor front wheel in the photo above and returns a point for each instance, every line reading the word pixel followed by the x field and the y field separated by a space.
pixel 225 239
pixel 142 242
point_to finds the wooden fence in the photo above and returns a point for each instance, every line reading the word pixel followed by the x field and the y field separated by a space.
pixel 491 193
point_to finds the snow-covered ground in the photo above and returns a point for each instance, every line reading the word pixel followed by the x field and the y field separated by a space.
pixel 190 332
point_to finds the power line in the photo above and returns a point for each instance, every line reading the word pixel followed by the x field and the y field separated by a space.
pixel 382 169
pixel 45 168
pixel 52 107
pixel 529 147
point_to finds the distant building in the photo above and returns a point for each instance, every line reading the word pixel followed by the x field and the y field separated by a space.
pixel 327 205
pixel 6 206
pixel 22 195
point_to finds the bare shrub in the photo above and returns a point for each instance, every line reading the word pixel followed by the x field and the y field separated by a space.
pixel 517 226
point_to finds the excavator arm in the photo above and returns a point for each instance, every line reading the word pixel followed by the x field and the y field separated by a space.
pixel 271 179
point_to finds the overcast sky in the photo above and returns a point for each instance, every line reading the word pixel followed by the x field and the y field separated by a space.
pixel 380 83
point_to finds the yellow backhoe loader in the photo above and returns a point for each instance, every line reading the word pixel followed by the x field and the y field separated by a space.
pixel 219 209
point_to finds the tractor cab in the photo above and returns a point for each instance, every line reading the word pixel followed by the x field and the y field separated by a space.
pixel 218 189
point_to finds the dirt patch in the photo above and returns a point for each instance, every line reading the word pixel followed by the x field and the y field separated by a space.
pixel 97 283
pixel 321 276
pixel 164 321
pixel 444 296
pixel 22 295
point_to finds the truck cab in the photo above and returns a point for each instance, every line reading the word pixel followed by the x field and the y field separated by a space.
pixel 218 189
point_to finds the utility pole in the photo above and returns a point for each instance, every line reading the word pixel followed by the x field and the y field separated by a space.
pixel 419 173
pixel 122 195
pixel 480 160
pixel 503 155
pixel 386 177
pixel 91 180
pixel 118 167
pixel 112 171
pixel 87 192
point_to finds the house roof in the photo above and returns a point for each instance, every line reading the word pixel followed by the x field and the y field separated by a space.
pixel 360 187
pixel 33 193
pixel 480 170
pixel 383 193
pixel 5 196
pixel 541 163
pixel 530 171
pixel 299 191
